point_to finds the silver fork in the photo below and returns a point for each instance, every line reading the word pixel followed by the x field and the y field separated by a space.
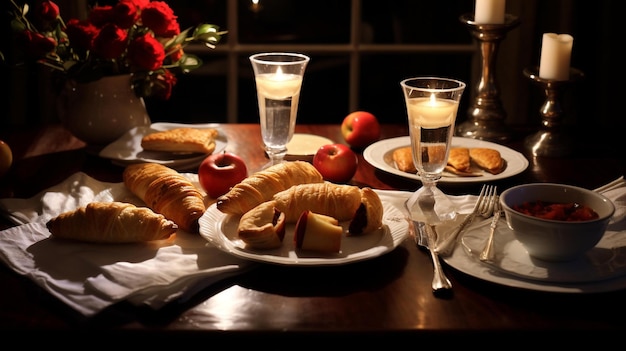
pixel 487 254
pixel 483 207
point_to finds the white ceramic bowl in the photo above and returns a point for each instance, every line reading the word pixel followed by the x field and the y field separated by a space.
pixel 556 240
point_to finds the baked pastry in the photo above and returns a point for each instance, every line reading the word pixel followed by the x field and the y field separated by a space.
pixel 166 191
pixel 337 200
pixel 317 232
pixel 488 159
pixel 183 139
pixel 263 227
pixel 403 158
pixel 459 158
pixel 369 216
pixel 111 222
pixel 261 186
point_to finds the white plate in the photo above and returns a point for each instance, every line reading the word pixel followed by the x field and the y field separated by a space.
pixel 516 269
pixel 127 149
pixel 221 230
pixel 606 260
pixel 304 146
pixel 380 153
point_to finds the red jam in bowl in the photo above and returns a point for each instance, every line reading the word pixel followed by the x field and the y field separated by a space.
pixel 569 212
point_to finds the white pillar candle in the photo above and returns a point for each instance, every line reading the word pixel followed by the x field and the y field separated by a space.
pixel 489 11
pixel 556 52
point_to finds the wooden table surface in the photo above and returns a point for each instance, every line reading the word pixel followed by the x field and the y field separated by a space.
pixel 385 298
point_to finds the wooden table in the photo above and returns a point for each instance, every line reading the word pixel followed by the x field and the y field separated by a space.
pixel 388 298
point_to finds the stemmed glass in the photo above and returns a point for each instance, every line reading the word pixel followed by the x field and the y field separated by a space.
pixel 432 104
pixel 278 78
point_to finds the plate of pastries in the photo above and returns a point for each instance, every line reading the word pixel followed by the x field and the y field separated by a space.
pixel 469 161
pixel 287 214
pixel 176 145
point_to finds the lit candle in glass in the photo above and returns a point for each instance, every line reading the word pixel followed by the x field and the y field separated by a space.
pixel 432 112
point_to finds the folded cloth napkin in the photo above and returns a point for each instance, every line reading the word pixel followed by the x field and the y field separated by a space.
pixel 90 277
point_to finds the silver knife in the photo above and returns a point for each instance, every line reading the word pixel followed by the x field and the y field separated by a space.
pixel 425 234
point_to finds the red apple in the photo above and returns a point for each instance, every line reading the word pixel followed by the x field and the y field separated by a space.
pixel 336 162
pixel 221 171
pixel 6 157
pixel 360 128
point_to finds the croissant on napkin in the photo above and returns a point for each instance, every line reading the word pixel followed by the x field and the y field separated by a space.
pixel 111 222
pixel 261 186
pixel 167 192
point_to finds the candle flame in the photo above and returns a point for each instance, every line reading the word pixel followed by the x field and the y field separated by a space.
pixel 433 99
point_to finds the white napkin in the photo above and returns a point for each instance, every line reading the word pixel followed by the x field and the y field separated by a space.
pixel 614 191
pixel 91 277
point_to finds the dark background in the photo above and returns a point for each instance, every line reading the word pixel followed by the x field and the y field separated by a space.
pixel 200 96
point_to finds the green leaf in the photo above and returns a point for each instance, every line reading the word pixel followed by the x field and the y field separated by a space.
pixel 189 62
pixel 209 38
pixel 179 39
pixel 205 28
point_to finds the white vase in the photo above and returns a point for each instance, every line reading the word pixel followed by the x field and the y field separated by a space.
pixel 101 111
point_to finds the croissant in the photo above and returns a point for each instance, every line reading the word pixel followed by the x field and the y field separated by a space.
pixel 166 191
pixel 338 201
pixel 111 222
pixel 261 186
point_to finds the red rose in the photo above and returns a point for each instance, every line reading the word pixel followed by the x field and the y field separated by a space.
pixel 140 4
pixel 146 52
pixel 164 85
pixel 81 34
pixel 160 18
pixel 125 13
pixel 110 43
pixel 176 53
pixel 37 45
pixel 47 10
pixel 101 15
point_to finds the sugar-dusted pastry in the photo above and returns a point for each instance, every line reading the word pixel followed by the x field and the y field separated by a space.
pixel 263 227
pixel 487 159
pixel 403 158
pixel 111 222
pixel 166 191
pixel 261 186
pixel 183 139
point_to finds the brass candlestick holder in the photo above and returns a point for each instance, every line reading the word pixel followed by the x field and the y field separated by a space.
pixel 486 115
pixel 551 140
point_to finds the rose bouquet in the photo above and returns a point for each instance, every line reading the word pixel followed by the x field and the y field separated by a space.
pixel 137 37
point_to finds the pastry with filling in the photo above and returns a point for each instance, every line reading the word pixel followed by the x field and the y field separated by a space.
pixel 459 158
pixel 488 159
pixel 183 140
pixel 318 232
pixel 263 227
pixel 403 158
pixel 459 162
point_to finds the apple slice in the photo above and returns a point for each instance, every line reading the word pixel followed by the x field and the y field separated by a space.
pixel 318 232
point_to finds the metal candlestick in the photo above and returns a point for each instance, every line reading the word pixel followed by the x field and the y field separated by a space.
pixel 486 115
pixel 551 140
